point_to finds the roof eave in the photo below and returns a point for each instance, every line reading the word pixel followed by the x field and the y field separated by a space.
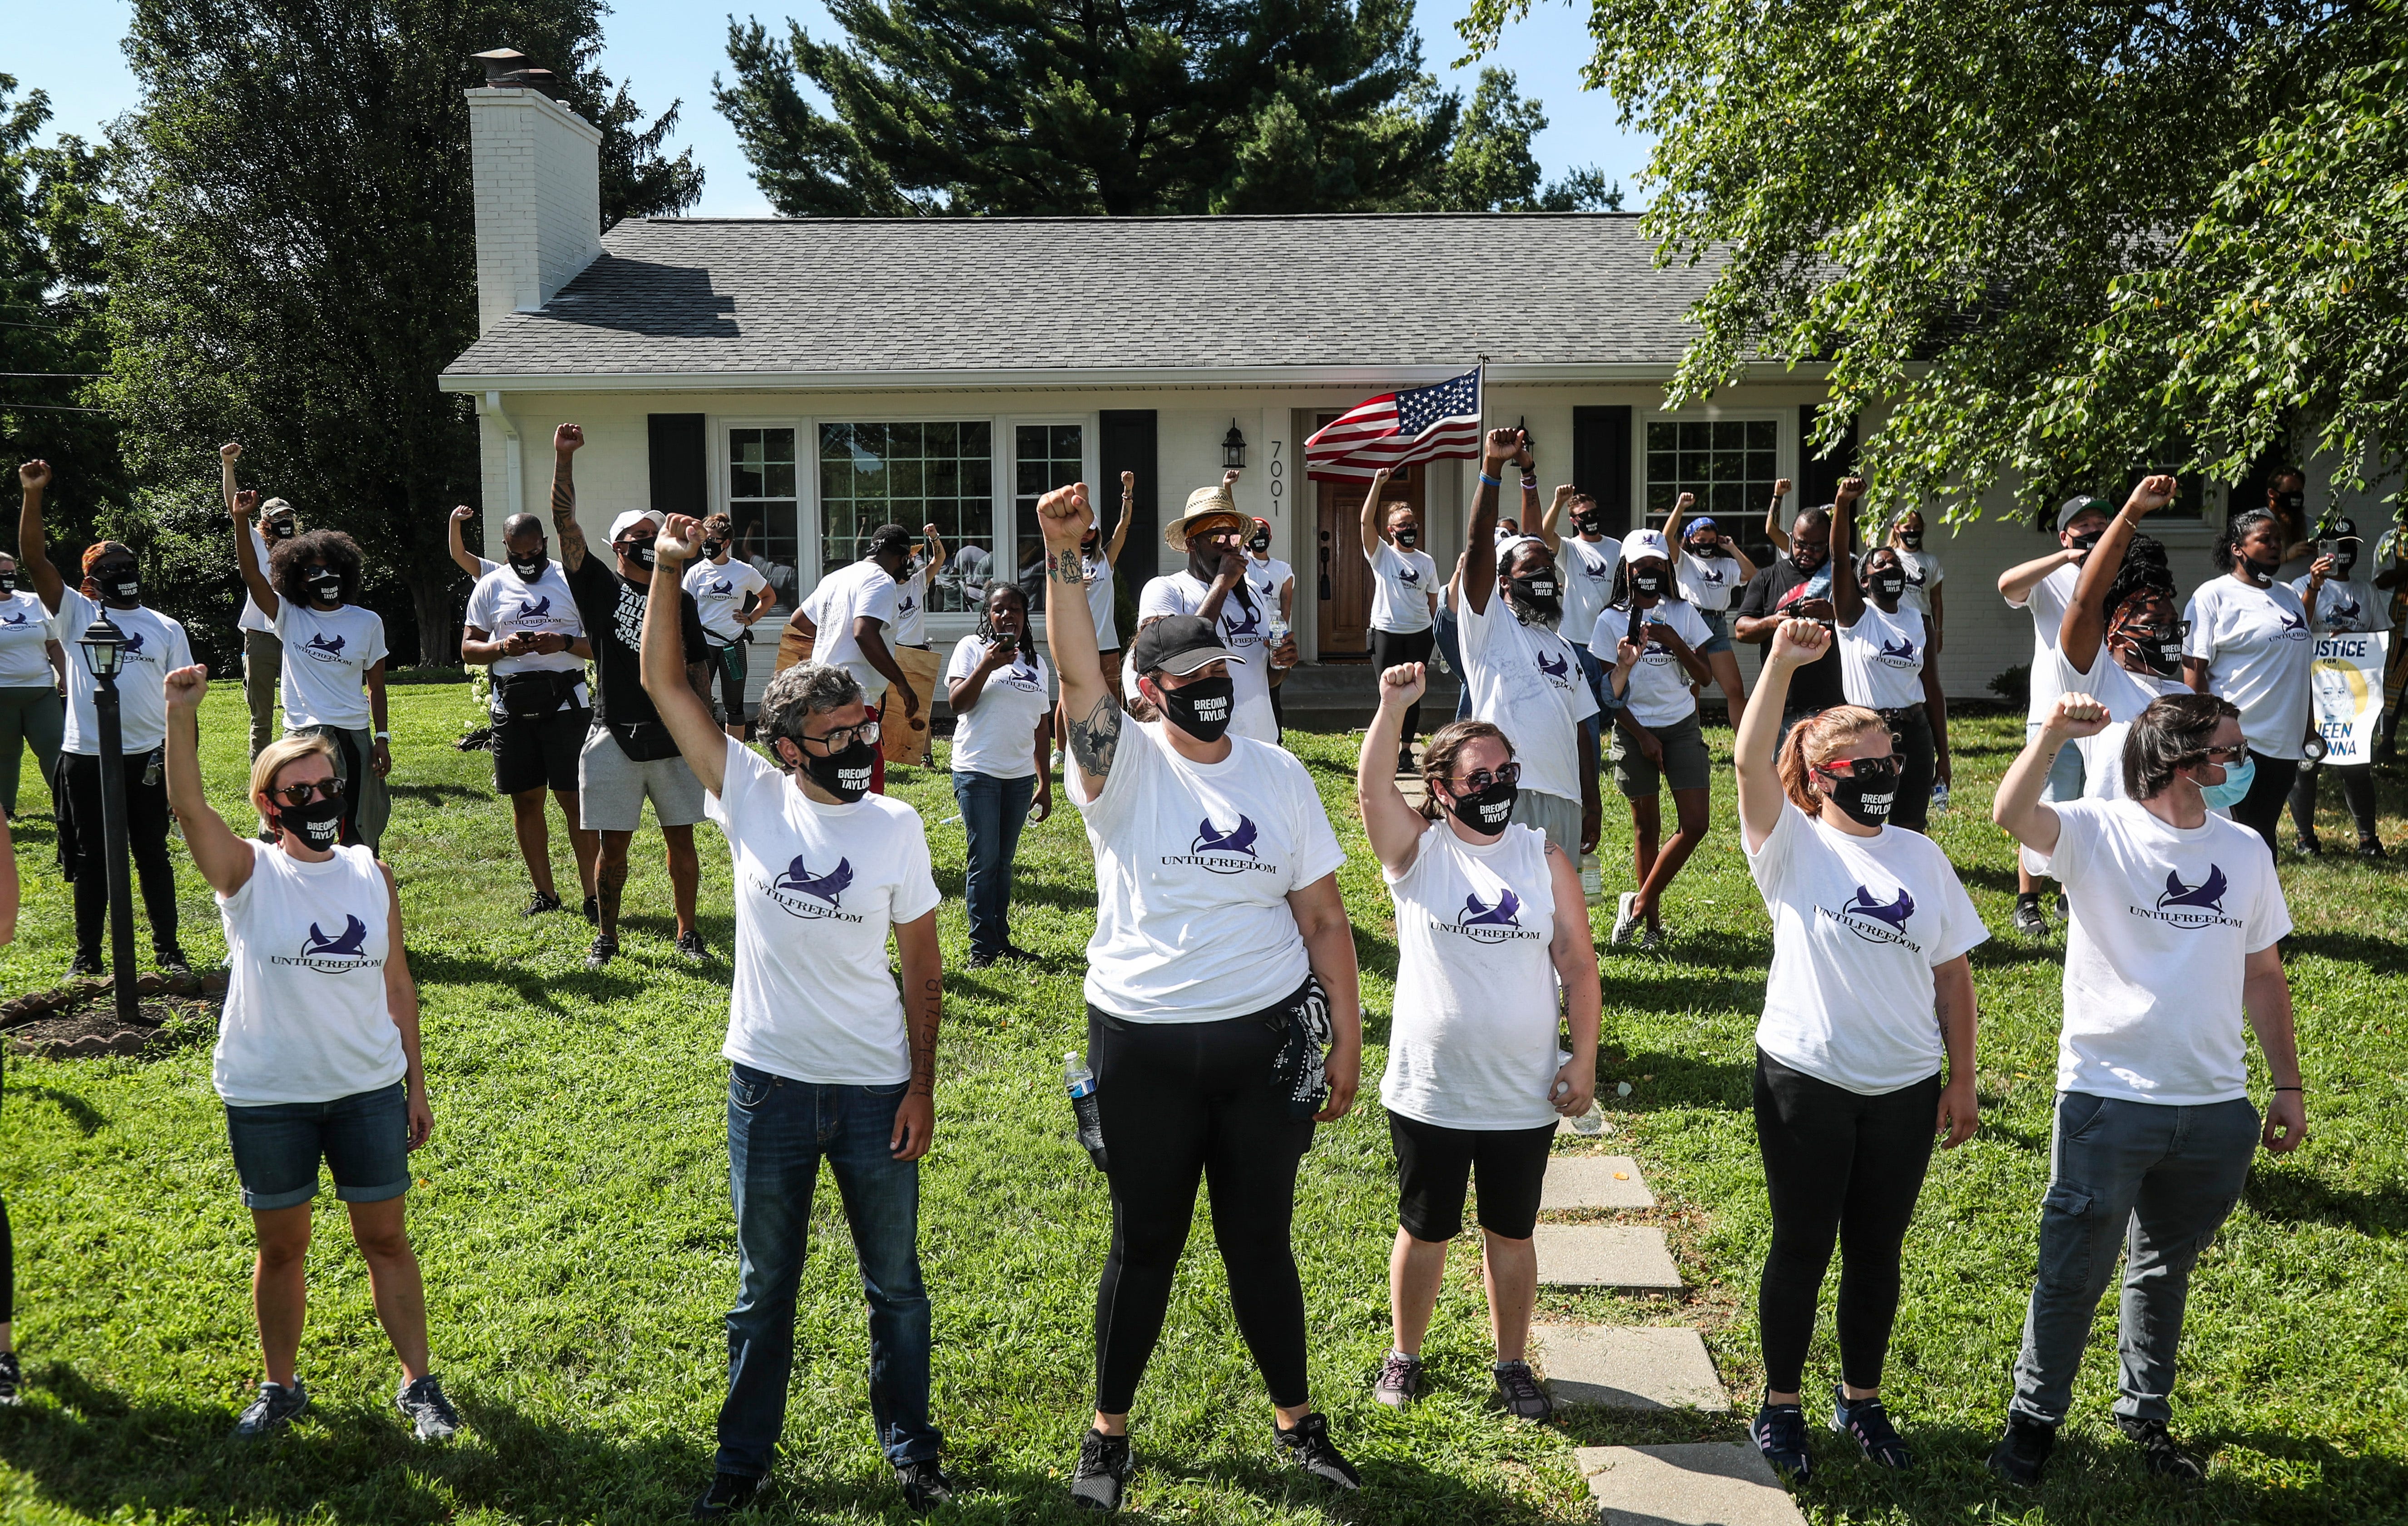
pixel 1179 376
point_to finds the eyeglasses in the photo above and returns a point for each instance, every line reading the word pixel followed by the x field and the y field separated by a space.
pixel 302 794
pixel 1480 778
pixel 1869 769
pixel 2233 753
pixel 844 737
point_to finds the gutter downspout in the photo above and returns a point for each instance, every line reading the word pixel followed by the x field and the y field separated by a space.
pixel 513 451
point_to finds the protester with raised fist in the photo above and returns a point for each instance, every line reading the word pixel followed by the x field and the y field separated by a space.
pixel 455 536
pixel 1712 574
pixel 729 596
pixel 1652 642
pixel 2172 945
pixel 1865 1051
pixel 1796 584
pixel 1885 660
pixel 851 619
pixel 1215 589
pixel 1491 934
pixel 1589 559
pixel 2045 586
pixel 1221 968
pixel 1097 555
pixel 1003 729
pixel 2249 643
pixel 154 644
pixel 262 653
pixel 1404 593
pixel 317 1055
pixel 2122 639
pixel 33 686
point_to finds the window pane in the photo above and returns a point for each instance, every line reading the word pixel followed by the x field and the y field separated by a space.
pixel 1044 458
pixel 1662 466
pixel 1763 435
pixel 761 501
pixel 1728 463
pixel 911 474
pixel 1697 437
pixel 1729 434
pixel 1663 437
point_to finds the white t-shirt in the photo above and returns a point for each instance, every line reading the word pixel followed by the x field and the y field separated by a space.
pixel 2257 649
pixel 1659 686
pixel 719 589
pixel 1101 606
pixel 1881 658
pixel 327 655
pixel 911 608
pixel 1859 925
pixel 1712 584
pixel 154 647
pixel 1587 567
pixel 2347 607
pixel 1924 574
pixel 2164 919
pixel 1266 579
pixel 252 618
pixel 2125 694
pixel 2047 601
pixel 1528 682
pixel 26 635
pixel 818 887
pixel 856 589
pixel 998 735
pixel 502 605
pixel 1244 632
pixel 1401 583
pixel 1194 865
pixel 1473 1041
pixel 306 1018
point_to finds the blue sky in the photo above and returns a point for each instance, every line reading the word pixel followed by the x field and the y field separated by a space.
pixel 668 51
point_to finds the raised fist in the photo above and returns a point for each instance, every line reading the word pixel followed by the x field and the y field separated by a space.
pixel 568 438
pixel 35 475
pixel 230 452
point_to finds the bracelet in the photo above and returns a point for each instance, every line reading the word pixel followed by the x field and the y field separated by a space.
pixel 1530 484
pixel 384 735
pixel 1490 482
pixel 2301 1090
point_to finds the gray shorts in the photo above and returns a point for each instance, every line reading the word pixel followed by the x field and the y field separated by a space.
pixel 1687 765
pixel 612 787
pixel 1558 818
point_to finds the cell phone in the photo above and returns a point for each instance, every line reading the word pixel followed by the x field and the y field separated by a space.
pixel 1636 636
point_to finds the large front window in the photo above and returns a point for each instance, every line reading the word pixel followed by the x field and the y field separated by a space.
pixel 1729 464
pixel 912 475
pixel 761 501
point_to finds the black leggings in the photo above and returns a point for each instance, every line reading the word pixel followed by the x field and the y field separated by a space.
pixel 146 830
pixel 1910 728
pixel 1390 648
pixel 729 663
pixel 2261 809
pixel 2356 789
pixel 1184 1100
pixel 1836 1163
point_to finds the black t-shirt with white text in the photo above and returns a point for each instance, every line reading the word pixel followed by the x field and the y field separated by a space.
pixel 612 609
pixel 1815 687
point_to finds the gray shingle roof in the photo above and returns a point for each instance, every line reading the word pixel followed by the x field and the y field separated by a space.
pixel 833 298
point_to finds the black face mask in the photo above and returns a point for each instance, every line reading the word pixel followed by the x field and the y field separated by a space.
pixel 121 586
pixel 1911 540
pixel 712 548
pixel 2159 648
pixel 1485 811
pixel 2293 503
pixel 1202 708
pixel 1586 523
pixel 318 824
pixel 1409 538
pixel 2086 540
pixel 2260 573
pixel 531 566
pixel 7 582
pixel 1702 550
pixel 1887 584
pixel 1539 595
pixel 1864 797
pixel 640 553
pixel 278 529
pixel 1648 584
pixel 845 775
pixel 325 584
pixel 1260 542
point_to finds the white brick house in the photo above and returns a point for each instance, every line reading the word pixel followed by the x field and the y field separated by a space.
pixel 817 377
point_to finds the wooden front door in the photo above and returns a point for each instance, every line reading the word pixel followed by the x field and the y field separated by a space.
pixel 1344 577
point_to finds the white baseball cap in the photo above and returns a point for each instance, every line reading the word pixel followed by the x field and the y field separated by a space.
pixel 1638 543
pixel 630 519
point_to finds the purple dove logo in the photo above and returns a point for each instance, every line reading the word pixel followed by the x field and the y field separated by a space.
pixel 1246 622
pixel 902 606
pixel 134 644
pixel 15 620
pixel 1409 576
pixel 1710 573
pixel 2345 609
pixel 324 647
pixel 536 609
pixel 2207 895
pixel 1020 674
pixel 1237 839
pixel 352 943
pixel 1877 921
pixel 717 587
pixel 2295 629
pixel 1506 912
pixel 799 880
pixel 1555 670
pixel 1898 653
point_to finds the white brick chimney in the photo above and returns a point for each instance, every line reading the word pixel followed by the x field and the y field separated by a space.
pixel 538 182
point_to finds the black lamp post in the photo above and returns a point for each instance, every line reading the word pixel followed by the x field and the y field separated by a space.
pixel 104 652
pixel 1233 447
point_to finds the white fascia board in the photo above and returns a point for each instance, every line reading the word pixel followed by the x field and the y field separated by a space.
pixel 1378 377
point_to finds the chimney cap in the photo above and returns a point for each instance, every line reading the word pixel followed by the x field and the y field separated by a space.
pixel 506 68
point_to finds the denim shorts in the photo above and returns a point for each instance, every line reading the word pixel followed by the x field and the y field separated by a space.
pixel 364 1138
pixel 1719 622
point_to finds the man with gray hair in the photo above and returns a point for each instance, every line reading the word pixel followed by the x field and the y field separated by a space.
pixel 1213 535
pixel 827 1058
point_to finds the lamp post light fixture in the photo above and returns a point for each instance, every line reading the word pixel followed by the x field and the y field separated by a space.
pixel 1233 447
pixel 104 653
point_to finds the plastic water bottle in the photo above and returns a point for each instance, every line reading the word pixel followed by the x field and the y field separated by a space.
pixel 1279 630
pixel 1084 1108
pixel 1938 796
pixel 1592 878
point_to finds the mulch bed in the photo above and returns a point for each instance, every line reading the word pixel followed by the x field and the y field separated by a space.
pixel 78 1020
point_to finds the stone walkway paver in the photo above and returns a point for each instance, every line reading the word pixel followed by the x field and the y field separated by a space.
pixel 1624 1257
pixel 1629 1367
pixel 1593 1181
pixel 1696 1484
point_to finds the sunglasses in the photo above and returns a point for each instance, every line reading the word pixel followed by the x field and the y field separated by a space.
pixel 302 794
pixel 1869 769
pixel 2233 753
pixel 1480 778
pixel 844 737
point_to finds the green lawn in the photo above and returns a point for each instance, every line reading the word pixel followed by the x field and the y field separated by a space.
pixel 572 1217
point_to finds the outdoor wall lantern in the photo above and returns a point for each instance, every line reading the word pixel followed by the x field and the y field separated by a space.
pixel 103 648
pixel 1233 447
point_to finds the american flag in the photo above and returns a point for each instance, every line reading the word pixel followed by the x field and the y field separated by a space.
pixel 1436 423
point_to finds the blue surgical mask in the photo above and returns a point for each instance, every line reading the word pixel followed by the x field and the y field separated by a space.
pixel 2238 777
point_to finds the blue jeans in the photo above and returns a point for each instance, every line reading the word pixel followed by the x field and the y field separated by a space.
pixel 993 812
pixel 1443 631
pixel 2160 1179
pixel 778 1132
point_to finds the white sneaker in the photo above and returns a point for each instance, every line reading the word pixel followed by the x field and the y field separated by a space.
pixel 1625 916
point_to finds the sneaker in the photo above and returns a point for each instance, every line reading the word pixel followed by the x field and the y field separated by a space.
pixel 2064 908
pixel 1400 1380
pixel 538 903
pixel 2310 845
pixel 12 1382
pixel 604 949
pixel 1779 1434
pixel 272 1409
pixel 1309 1449
pixel 983 961
pixel 1017 955
pixel 431 1416
pixel 2164 1458
pixel 2023 1450
pixel 1869 1422
pixel 2370 849
pixel 1102 1473
pixel 87 964
pixel 1652 940
pixel 593 911
pixel 2028 918
pixel 728 1494
pixel 171 959
pixel 689 944
pixel 1625 916
pixel 1405 769
pixel 925 1485
pixel 1518 1391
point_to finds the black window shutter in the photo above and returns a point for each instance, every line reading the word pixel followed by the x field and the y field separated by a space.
pixel 680 465
pixel 1125 441
pixel 1819 480
pixel 1602 463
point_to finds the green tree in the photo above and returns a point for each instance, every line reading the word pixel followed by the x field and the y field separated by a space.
pixel 296 265
pixel 1491 167
pixel 2058 238
pixel 1037 107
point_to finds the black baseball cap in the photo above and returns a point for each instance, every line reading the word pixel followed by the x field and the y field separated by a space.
pixel 1178 646
pixel 2079 505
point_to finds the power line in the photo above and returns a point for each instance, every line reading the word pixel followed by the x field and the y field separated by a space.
pixel 51 408
pixel 79 376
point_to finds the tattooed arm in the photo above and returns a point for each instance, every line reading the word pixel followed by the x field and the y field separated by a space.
pixel 1093 716
pixel 566 442
pixel 924 1003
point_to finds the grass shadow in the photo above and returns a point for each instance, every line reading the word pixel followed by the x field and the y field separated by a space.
pixel 88 1119
pixel 2291 1195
